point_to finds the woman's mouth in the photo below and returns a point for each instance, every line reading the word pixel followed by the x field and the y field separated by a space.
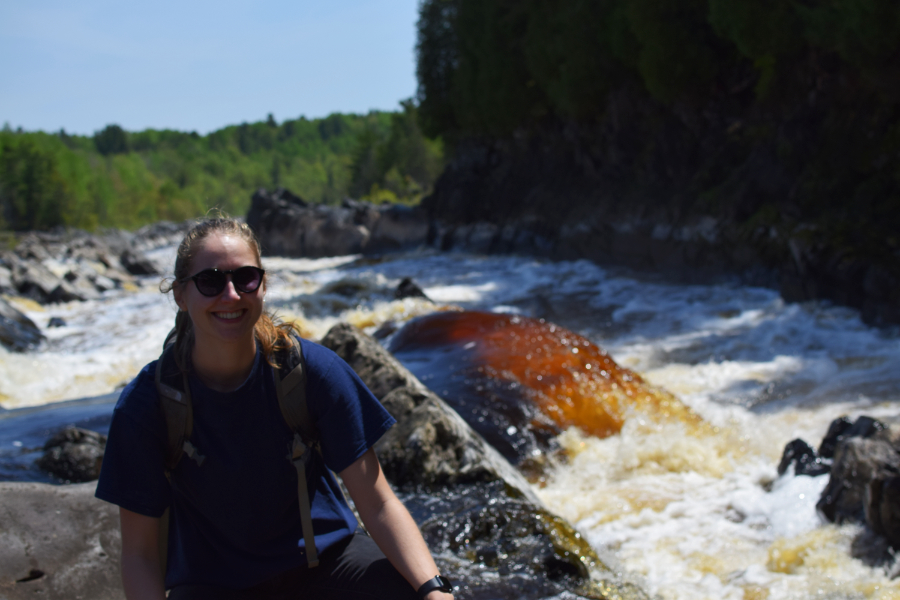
pixel 229 315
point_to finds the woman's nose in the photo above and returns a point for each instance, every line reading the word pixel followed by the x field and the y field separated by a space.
pixel 230 292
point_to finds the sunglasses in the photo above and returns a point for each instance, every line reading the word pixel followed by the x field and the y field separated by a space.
pixel 211 282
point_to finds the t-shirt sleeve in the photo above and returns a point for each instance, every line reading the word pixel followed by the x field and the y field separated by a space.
pixel 349 417
pixel 133 471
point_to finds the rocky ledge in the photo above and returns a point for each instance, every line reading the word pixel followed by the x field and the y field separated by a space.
pixel 486 527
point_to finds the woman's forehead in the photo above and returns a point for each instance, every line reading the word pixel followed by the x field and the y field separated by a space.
pixel 223 251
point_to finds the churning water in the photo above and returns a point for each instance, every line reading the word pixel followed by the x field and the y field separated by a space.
pixel 697 514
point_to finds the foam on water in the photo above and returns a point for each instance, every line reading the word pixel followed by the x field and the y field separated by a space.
pixel 698 513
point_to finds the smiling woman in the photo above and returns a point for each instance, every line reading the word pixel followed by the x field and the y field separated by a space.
pixel 233 527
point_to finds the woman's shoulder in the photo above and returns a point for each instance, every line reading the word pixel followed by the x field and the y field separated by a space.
pixel 319 359
pixel 139 397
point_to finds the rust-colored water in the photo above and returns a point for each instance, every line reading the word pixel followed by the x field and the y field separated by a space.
pixel 568 378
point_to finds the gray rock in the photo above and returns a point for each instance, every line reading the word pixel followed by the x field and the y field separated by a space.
pixel 17 332
pixel 138 264
pixel 857 461
pixel 290 228
pixel 58 543
pixel 74 455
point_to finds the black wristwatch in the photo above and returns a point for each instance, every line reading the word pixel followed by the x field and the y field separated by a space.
pixel 439 582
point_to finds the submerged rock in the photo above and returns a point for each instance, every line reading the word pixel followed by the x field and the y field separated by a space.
pixel 477 512
pixel 74 455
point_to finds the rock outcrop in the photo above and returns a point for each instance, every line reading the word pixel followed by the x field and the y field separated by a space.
pixel 288 226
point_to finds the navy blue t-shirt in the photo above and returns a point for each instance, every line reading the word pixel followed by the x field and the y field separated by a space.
pixel 235 520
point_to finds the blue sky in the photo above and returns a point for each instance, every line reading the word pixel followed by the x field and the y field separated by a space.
pixel 200 65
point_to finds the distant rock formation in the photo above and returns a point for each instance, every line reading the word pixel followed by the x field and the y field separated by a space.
pixel 288 226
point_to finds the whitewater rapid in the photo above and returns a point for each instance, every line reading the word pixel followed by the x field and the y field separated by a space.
pixel 695 515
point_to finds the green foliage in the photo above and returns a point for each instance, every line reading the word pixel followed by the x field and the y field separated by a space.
pixel 121 179
pixel 492 66
pixel 397 163
pixel 111 140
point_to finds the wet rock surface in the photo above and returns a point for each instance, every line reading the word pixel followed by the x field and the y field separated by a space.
pixel 490 533
pixel 74 455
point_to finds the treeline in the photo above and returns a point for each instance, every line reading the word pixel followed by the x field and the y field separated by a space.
pixel 491 66
pixel 117 178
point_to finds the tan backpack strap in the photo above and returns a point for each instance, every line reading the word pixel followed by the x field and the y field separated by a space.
pixel 290 385
pixel 300 454
pixel 175 401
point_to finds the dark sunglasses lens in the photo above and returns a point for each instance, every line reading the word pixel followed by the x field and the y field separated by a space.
pixel 247 279
pixel 210 283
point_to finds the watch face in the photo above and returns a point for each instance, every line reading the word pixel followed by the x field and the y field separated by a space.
pixel 446 586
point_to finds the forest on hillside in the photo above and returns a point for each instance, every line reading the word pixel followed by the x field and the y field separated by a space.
pixel 770 112
pixel 118 178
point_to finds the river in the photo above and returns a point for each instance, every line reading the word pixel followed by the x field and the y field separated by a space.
pixel 695 515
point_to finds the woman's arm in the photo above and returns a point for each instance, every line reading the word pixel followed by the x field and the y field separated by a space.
pixel 389 523
pixel 142 574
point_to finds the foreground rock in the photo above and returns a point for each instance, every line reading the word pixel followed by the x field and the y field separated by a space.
pixel 477 512
pixel 288 226
pixel 58 542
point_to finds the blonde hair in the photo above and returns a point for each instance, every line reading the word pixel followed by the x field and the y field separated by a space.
pixel 271 333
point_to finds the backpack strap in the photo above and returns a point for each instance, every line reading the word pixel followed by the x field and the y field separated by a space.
pixel 290 385
pixel 175 400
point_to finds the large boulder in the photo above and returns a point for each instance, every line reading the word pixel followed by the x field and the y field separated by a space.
pixel 58 542
pixel 477 512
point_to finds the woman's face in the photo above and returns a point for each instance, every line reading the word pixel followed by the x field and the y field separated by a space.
pixel 228 317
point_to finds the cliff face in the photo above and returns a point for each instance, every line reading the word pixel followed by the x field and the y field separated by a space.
pixel 798 192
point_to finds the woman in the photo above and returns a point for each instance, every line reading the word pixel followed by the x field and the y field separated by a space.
pixel 235 528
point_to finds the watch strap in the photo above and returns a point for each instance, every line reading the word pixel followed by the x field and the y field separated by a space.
pixel 438 582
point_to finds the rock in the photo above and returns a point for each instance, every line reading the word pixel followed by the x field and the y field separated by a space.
pixel 804 459
pixel 36 281
pixel 58 543
pixel 476 511
pixel 380 371
pixel 74 454
pixel 56 322
pixel 138 264
pixel 857 461
pixel 882 508
pixel 17 332
pixel 841 429
pixel 290 228
pixel 407 288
